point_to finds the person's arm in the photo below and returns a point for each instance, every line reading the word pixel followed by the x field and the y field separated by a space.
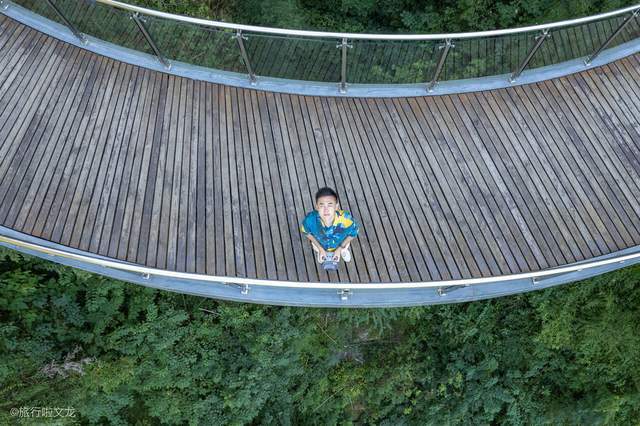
pixel 314 242
pixel 343 246
pixel 323 252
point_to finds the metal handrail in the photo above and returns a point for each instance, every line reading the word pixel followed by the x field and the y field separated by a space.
pixel 345 40
pixel 358 36
pixel 147 272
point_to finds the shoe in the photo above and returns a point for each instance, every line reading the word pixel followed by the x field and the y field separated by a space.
pixel 346 255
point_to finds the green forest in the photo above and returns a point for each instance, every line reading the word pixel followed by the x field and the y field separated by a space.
pixel 388 16
pixel 120 353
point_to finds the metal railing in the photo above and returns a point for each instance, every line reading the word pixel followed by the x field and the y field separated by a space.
pixel 343 289
pixel 358 59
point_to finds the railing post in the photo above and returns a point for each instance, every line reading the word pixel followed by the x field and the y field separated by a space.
pixel 448 45
pixel 74 30
pixel 604 45
pixel 540 38
pixel 343 68
pixel 240 38
pixel 143 29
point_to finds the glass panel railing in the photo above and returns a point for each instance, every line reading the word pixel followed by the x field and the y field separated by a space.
pixel 401 62
pixel 318 58
pixel 486 56
pixel 94 19
pixel 580 41
pixel 294 58
pixel 41 8
pixel 197 45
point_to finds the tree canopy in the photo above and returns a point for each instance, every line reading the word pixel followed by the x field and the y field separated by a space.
pixel 126 354
pixel 388 16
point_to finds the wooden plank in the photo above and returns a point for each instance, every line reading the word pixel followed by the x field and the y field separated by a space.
pixel 40 189
pixel 519 165
pixel 418 200
pixel 598 157
pixel 90 173
pixel 567 139
pixel 435 147
pixel 177 194
pixel 38 133
pixel 436 184
pixel 372 192
pixel 23 123
pixel 286 177
pixel 304 180
pixel 263 186
pixel 393 188
pixel 137 220
pixel 120 216
pixel 163 201
pixel 568 171
pixel 55 224
pixel 521 205
pixel 194 220
pixel 19 103
pixel 505 205
pixel 253 185
pixel 624 93
pixel 317 151
pixel 604 104
pixel 325 141
pixel 280 237
pixel 577 231
pixel 148 241
pixel 12 104
pixel 107 165
pixel 18 49
pixel 234 261
pixel 246 254
pixel 537 233
pixel 310 139
pixel 354 187
pixel 491 212
pixel 218 234
pixel 9 30
pixel 559 220
pixel 71 135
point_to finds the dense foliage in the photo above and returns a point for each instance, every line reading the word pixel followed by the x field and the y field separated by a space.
pixel 388 16
pixel 125 354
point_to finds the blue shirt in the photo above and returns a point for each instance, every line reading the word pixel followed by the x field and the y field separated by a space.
pixel 330 237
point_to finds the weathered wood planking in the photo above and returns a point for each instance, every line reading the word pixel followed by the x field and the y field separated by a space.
pixel 192 176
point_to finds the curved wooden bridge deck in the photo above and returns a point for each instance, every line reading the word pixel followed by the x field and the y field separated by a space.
pixel 185 175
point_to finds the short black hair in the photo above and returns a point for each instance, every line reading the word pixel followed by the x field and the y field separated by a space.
pixel 325 192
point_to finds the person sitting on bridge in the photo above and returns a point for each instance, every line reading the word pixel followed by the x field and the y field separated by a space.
pixel 330 229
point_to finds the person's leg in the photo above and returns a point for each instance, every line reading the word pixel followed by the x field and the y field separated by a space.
pixel 317 250
pixel 346 253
